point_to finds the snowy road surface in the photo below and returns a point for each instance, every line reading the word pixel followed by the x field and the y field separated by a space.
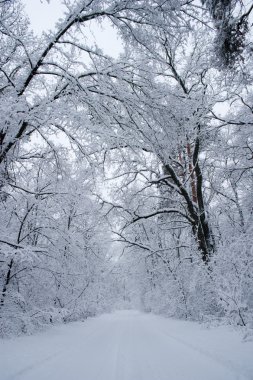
pixel 128 345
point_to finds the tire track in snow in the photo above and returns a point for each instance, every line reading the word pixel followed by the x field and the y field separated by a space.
pixel 34 365
pixel 53 356
pixel 239 372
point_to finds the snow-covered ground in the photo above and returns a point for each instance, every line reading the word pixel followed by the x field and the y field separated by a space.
pixel 128 345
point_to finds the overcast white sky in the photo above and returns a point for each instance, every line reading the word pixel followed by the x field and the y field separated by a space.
pixel 44 15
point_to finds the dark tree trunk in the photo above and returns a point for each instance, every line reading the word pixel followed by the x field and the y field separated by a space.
pixel 194 202
pixel 6 283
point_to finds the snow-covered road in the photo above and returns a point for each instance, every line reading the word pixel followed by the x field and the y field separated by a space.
pixel 128 345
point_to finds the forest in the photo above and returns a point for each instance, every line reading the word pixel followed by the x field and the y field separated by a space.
pixel 126 182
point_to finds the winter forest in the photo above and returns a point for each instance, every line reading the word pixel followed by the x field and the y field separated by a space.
pixel 126 182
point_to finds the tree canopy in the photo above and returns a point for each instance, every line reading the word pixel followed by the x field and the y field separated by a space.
pixel 127 180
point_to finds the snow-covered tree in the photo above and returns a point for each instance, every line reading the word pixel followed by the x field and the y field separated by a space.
pixel 139 149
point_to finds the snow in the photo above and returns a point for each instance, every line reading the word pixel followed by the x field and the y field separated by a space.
pixel 128 345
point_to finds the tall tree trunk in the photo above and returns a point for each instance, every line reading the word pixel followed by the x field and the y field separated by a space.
pixel 6 283
pixel 204 235
pixel 194 201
